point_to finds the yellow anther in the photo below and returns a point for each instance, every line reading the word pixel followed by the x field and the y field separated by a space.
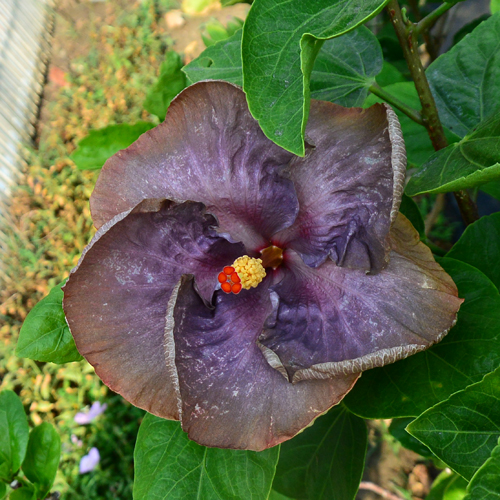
pixel 250 271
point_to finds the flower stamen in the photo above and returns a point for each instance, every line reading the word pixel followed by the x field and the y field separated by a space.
pixel 246 272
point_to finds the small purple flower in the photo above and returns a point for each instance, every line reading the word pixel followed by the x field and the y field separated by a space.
pixel 90 461
pixel 241 289
pixel 96 409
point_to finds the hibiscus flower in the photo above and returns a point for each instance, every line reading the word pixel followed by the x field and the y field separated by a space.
pixel 241 289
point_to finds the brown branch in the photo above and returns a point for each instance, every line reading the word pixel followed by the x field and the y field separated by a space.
pixel 366 485
pixel 407 34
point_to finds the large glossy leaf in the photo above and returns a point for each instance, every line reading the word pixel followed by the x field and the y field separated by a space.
pixel 448 486
pixel 14 434
pixel 465 80
pixel 418 145
pixel 397 429
pixel 346 67
pixel 221 61
pixel 281 39
pixel 485 484
pixel 170 82
pixel 492 188
pixel 169 465
pixel 464 356
pixel 463 430
pixel 326 460
pixel 101 144
pixel 343 71
pixel 479 246
pixel 42 457
pixel 468 163
pixel 45 335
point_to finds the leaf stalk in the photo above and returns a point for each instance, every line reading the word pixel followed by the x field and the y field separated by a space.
pixel 415 115
pixel 429 21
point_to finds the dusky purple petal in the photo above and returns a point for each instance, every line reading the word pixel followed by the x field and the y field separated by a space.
pixel 90 461
pixel 334 320
pixel 117 300
pixel 349 186
pixel 208 149
pixel 231 395
pixel 86 417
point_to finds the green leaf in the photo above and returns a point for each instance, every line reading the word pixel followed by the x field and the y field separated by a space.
pixel 411 211
pixel 495 6
pixel 101 144
pixel 278 496
pixel 326 460
pixel 3 490
pixel 221 61
pixel 471 349
pixel 45 335
pixel 169 465
pixel 281 39
pixel 42 457
pixel 418 145
pixel 397 429
pixel 485 484
pixel 463 430
pixel 24 493
pixel 389 75
pixel 465 80
pixel 171 81
pixel 468 163
pixel 479 247
pixel 447 486
pixel 14 433
pixel 491 188
pixel 346 67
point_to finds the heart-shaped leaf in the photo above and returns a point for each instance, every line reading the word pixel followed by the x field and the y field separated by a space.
pixel 473 161
pixel 45 335
pixel 463 430
pixel 465 81
pixel 169 465
pixel 326 460
pixel 281 39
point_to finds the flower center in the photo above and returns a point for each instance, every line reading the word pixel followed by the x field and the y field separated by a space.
pixel 272 256
pixel 246 272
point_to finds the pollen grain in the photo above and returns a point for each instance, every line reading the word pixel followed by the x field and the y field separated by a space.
pixel 249 270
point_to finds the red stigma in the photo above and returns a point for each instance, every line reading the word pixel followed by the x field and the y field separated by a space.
pixel 229 280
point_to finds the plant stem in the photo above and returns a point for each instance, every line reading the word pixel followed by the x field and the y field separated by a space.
pixel 415 115
pixel 428 21
pixel 408 39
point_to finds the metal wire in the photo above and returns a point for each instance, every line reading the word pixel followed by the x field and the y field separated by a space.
pixel 25 38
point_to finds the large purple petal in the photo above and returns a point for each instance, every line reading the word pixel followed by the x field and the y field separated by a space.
pixel 349 186
pixel 117 300
pixel 334 320
pixel 231 395
pixel 209 149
